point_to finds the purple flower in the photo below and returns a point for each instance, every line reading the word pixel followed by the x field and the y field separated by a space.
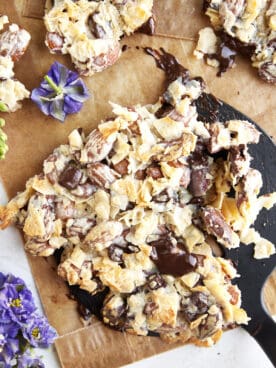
pixel 38 332
pixel 20 326
pixel 16 303
pixel 62 92
pixel 26 360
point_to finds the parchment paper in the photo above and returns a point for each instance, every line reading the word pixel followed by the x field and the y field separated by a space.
pixel 134 79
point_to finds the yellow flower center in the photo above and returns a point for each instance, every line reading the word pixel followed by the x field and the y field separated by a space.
pixel 16 303
pixel 35 332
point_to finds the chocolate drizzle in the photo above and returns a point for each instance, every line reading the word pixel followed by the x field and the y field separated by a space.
pixel 173 259
pixel 227 50
pixel 225 56
pixel 169 64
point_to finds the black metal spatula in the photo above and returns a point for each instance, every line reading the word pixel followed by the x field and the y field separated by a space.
pixel 253 272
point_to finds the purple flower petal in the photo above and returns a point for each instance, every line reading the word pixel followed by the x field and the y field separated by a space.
pixel 11 279
pixel 72 77
pixel 58 73
pixel 77 90
pixel 56 109
pixel 40 96
pixel 71 106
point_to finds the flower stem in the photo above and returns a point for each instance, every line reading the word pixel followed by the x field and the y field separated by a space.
pixel 53 85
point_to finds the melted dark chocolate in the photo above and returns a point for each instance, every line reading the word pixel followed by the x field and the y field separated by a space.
pixel 207 102
pixel 173 260
pixel 148 27
pixel 164 110
pixel 227 50
pixel 225 56
pixel 169 64
pixel 246 49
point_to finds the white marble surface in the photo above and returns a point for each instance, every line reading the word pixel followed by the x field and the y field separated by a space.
pixel 236 349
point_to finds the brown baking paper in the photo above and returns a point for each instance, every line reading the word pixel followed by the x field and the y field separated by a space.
pixel 32 136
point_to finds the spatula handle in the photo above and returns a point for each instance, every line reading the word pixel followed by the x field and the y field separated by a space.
pixel 266 337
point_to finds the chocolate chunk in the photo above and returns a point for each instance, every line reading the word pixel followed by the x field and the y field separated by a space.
pixel 115 253
pixel 207 106
pixel 165 196
pixel 156 281
pixel 140 174
pixel 199 157
pixel 96 29
pixel 237 156
pixel 201 301
pixel 130 206
pixel 162 197
pixel 154 172
pixel 199 183
pixel 172 259
pixel 121 167
pixel 148 27
pixel 195 305
pixel 70 177
pixel 164 110
pixel 198 161
pixel 131 248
